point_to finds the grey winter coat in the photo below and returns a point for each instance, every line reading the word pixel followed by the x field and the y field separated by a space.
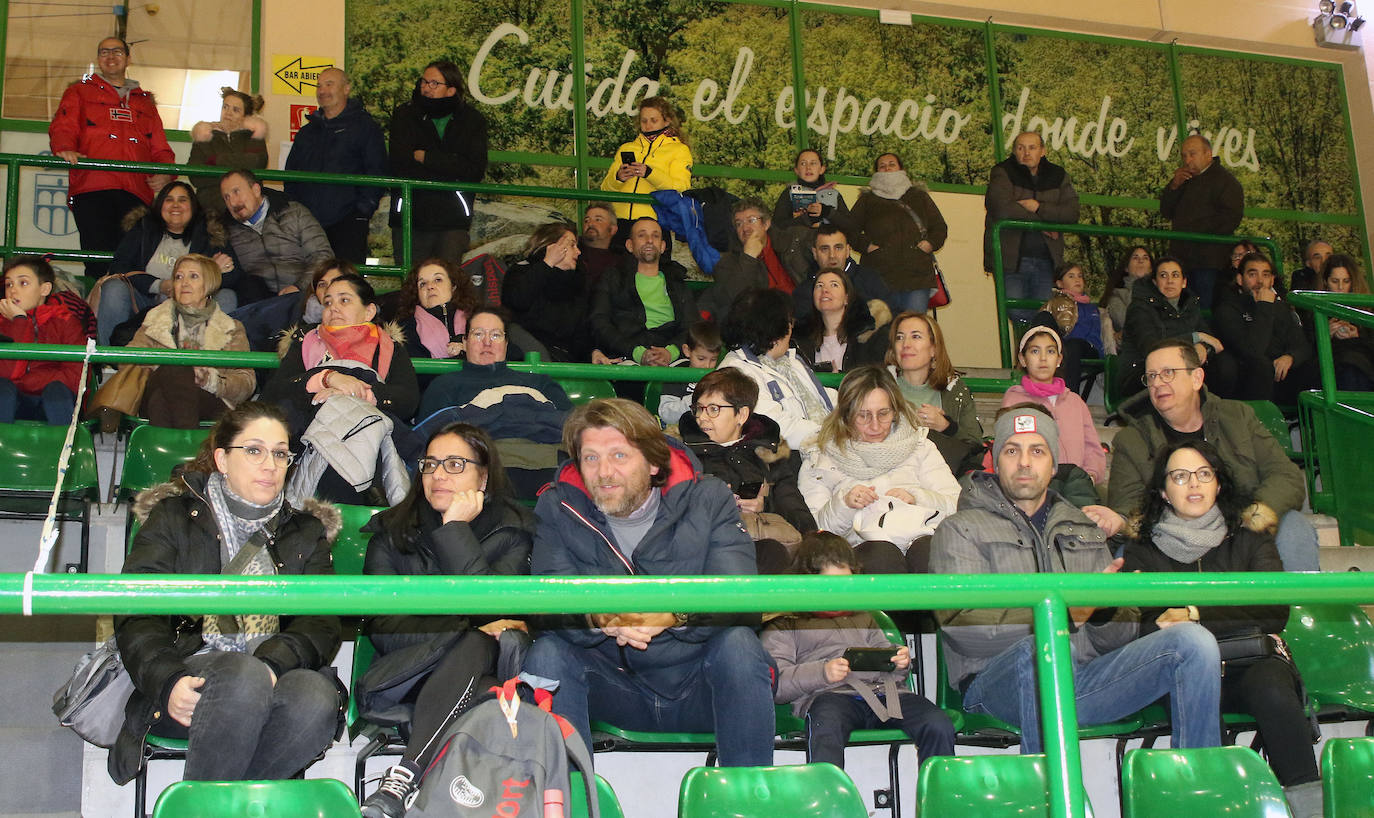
pixel 290 243
pixel 802 644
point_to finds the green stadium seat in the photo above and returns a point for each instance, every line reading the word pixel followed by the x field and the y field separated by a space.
pixel 1333 647
pixel 606 802
pixel 1277 424
pixel 1230 781
pixel 795 791
pixel 151 455
pixel 156 748
pixel 987 786
pixel 307 798
pixel 1348 778
pixel 653 393
pixel 350 547
pixel 585 390
pixel 26 484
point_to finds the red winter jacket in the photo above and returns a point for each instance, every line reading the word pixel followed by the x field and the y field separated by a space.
pixel 93 121
pixel 47 324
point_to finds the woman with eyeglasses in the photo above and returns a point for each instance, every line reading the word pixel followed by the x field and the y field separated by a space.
pixel 1191 523
pixel 458 519
pixel 245 690
pixel 876 479
pixel 1163 307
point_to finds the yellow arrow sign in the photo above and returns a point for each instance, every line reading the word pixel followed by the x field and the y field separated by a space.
pixel 294 75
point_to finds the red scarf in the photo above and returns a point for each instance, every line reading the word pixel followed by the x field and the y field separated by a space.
pixel 360 342
pixel 778 278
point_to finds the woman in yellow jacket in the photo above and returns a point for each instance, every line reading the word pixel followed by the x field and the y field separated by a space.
pixel 657 159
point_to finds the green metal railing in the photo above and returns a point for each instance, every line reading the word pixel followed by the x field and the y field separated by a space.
pixel 1048 595
pixel 999 275
pixel 268 360
pixel 14 161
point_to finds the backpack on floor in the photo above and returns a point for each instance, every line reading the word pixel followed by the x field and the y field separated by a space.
pixel 505 756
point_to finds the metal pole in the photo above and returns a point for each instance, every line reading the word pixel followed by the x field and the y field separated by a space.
pixel 1058 713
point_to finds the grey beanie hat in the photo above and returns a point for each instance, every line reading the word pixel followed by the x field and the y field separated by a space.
pixel 1026 419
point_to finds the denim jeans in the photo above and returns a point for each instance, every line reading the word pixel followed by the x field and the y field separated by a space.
pixel 244 728
pixel 1297 542
pixel 732 697
pixel 1181 662
pixel 1202 282
pixel 913 300
pixel 833 716
pixel 1033 278
pixel 54 404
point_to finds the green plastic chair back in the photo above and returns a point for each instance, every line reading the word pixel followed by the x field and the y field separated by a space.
pixel 1274 421
pixel 151 455
pixel 1333 647
pixel 363 654
pixel 31 454
pixel 606 801
pixel 653 393
pixel 986 786
pixel 794 791
pixel 1348 778
pixel 582 391
pixel 350 547
pixel 1230 781
pixel 1111 393
pixel 307 798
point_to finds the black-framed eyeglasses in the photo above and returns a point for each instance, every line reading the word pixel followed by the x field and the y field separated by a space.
pixel 433 84
pixel 257 455
pixel 710 410
pixel 1164 375
pixel 453 464
pixel 110 52
pixel 1204 474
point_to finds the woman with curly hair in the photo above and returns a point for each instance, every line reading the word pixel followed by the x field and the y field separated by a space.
pixel 436 299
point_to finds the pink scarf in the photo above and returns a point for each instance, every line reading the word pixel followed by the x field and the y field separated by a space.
pixel 434 336
pixel 1042 390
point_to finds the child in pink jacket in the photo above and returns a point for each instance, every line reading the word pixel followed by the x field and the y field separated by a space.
pixel 1040 354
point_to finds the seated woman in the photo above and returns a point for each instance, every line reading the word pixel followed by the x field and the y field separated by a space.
pixel 347 356
pixel 747 452
pixel 547 293
pixel 1191 523
pixel 841 332
pixel 919 361
pixel 246 690
pixel 436 300
pixel 180 397
pixel 759 334
pixel 1116 298
pixel 141 272
pixel 37 390
pixel 1352 346
pixel 1081 325
pixel 458 519
pixel 876 480
pixel 1162 307
pixel 237 141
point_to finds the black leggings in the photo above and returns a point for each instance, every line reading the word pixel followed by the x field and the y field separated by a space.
pixel 471 662
pixel 880 557
pixel 1268 690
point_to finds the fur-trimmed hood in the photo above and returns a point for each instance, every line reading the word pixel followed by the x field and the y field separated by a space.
pixel 295 332
pixel 157 325
pixel 326 512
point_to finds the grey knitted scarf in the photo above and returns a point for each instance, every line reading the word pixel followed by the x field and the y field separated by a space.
pixel 1188 540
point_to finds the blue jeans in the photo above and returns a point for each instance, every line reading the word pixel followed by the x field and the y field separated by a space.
pixel 833 716
pixel 1034 278
pixel 1297 542
pixel 732 696
pixel 1201 283
pixel 54 404
pixel 914 300
pixel 245 728
pixel 1181 662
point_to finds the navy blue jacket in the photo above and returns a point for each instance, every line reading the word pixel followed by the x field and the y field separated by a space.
pixel 697 533
pixel 351 142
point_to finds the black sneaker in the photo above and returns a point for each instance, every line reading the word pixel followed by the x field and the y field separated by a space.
pixel 394 796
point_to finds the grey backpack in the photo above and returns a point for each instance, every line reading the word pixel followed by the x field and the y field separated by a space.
pixel 505 756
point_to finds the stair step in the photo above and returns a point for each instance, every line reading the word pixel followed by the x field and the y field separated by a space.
pixel 45 769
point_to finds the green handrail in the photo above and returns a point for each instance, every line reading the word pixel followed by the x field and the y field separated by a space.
pixel 998 274
pixel 268 360
pixel 1353 307
pixel 13 161
pixel 1047 594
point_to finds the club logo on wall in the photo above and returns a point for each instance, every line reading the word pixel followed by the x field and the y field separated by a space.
pixel 50 213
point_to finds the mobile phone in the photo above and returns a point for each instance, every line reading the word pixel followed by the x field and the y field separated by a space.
pixel 830 197
pixel 749 490
pixel 627 157
pixel 870 658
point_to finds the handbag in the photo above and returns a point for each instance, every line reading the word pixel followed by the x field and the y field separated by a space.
pixel 1243 650
pixel 122 393
pixel 765 525
pixel 939 298
pixel 92 701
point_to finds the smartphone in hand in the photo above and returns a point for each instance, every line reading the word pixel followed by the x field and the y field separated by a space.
pixel 870 658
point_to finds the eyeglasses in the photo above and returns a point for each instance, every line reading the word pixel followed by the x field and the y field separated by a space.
pixel 433 84
pixel 257 455
pixel 742 221
pixel 110 52
pixel 452 464
pixel 496 336
pixel 1164 375
pixel 710 410
pixel 1204 474
pixel 882 416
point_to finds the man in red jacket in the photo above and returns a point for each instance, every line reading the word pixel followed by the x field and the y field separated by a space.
pixel 108 116
pixel 36 390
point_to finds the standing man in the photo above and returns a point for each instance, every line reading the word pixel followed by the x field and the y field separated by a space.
pixel 632 501
pixel 437 137
pixel 108 116
pixel 1028 186
pixel 1010 523
pixel 1180 409
pixel 642 308
pixel 1203 197
pixel 341 137
pixel 1314 255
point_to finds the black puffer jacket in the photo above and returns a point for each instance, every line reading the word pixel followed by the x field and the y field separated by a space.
pixel 550 303
pixel 179 536
pixel 760 456
pixel 1151 318
pixel 865 330
pixel 460 155
pixel 617 314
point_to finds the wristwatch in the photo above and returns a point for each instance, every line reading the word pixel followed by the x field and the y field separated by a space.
pixel 1193 615
pixel 681 619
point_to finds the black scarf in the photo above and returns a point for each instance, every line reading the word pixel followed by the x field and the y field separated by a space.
pixel 1048 177
pixel 437 108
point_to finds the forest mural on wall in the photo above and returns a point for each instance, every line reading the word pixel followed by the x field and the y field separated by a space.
pixel 1105 107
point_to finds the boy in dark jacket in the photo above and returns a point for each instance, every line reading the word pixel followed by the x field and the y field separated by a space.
pixel 37 390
